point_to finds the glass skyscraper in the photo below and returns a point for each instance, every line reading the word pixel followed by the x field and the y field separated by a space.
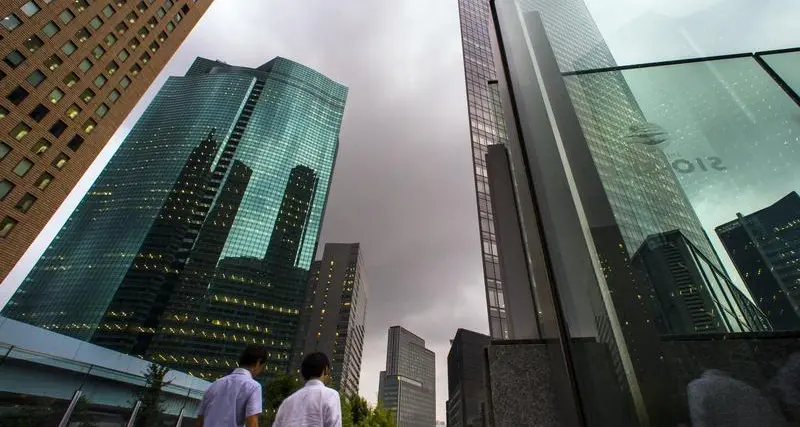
pixel 408 385
pixel 197 237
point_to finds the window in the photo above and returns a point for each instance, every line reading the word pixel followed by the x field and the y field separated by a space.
pixel 25 203
pixel 121 28
pixel 134 43
pixel 69 48
pixel 162 37
pixel 98 52
pixel 113 96
pixel 178 17
pixel 4 150
pixel 154 47
pixel 123 55
pixel 75 143
pixel 44 180
pixel 22 168
pixel 66 16
pixel 3 112
pixel 152 22
pixel 141 6
pixel 53 62
pixel 135 68
pixel 87 95
pixel 161 12
pixel 96 22
pixel 60 161
pixel 20 131
pixel 50 29
pixel 6 225
pixel 100 80
pixel 125 82
pixel 85 65
pixel 101 110
pixel 144 58
pixel 5 187
pixel 30 8
pixel 35 78
pixel 108 11
pixel 120 3
pixel 143 32
pixel 185 9
pixel 110 39
pixel 58 128
pixel 39 112
pixel 70 79
pixel 131 17
pixel 55 95
pixel 170 26
pixel 82 35
pixel 10 22
pixel 112 68
pixel 14 58
pixel 17 95
pixel 89 126
pixel 33 44
pixel 40 147
pixel 73 111
pixel 168 5
pixel 81 5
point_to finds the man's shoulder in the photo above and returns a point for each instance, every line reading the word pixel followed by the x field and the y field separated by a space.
pixel 329 392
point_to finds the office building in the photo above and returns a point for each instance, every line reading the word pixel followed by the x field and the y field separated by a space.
pixel 71 73
pixel 408 385
pixel 466 393
pixel 764 247
pixel 209 248
pixel 334 313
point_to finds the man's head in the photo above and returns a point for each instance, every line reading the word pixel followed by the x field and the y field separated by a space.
pixel 253 358
pixel 315 366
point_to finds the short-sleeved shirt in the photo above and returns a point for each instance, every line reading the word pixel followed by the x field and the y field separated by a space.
pixel 314 405
pixel 231 399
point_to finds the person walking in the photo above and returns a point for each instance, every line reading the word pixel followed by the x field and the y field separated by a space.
pixel 235 400
pixel 314 405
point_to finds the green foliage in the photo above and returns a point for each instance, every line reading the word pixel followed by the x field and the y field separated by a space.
pixel 275 392
pixel 152 411
pixel 356 412
pixel 41 413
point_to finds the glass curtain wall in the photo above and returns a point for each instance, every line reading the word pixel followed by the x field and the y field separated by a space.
pixel 675 152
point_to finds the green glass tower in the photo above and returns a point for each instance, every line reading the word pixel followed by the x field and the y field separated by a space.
pixel 197 238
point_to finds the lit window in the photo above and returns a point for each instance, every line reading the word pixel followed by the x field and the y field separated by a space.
pixel 20 131
pixel 98 52
pixel 44 180
pixel 121 28
pixel 143 32
pixel 25 203
pixel 141 6
pixel 53 62
pixel 131 17
pixel 75 143
pixel 110 39
pixel 87 95
pixel 113 96
pixel 3 112
pixel 152 22
pixel 66 16
pixel 73 111
pixel 17 95
pixel 39 113
pixel 135 68
pixel 33 43
pixel 71 79
pixel 5 188
pixel 123 55
pixel 125 82
pixel 69 48
pixel 55 95
pixel 162 37
pixel 40 147
pixel 96 22
pixel 144 58
pixel 10 22
pixel 60 161
pixel 89 126
pixel 134 43
pixel 154 47
pixel 81 5
pixel 4 150
pixel 102 110
pixel 85 65
pixel 58 128
pixel 22 168
pixel 50 29
pixel 112 68
pixel 30 8
pixel 100 80
pixel 6 225
pixel 14 58
pixel 35 78
pixel 82 35
pixel 108 11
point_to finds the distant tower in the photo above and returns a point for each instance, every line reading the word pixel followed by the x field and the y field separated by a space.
pixel 408 385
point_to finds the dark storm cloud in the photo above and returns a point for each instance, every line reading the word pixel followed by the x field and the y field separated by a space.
pixel 402 184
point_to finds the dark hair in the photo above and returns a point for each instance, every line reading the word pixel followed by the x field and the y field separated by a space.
pixel 314 365
pixel 252 355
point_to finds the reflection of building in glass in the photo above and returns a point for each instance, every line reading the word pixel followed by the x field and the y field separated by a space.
pixel 466 392
pixel 687 292
pixel 334 312
pixel 765 247
pixel 207 248
pixel 408 385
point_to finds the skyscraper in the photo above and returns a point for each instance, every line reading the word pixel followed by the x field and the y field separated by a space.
pixel 334 313
pixel 408 385
pixel 465 388
pixel 72 71
pixel 764 247
pixel 208 249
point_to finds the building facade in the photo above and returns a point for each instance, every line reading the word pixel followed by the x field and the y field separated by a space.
pixel 466 393
pixel 408 385
pixel 72 71
pixel 209 248
pixel 334 313
pixel 764 247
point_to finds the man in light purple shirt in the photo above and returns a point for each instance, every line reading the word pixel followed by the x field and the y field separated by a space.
pixel 235 400
pixel 314 405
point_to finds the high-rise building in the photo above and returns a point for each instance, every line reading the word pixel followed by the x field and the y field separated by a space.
pixel 764 247
pixel 209 247
pixel 466 393
pixel 408 385
pixel 72 71
pixel 333 315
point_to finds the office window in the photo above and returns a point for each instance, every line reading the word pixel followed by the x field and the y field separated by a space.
pixel 98 52
pixel 121 28
pixel 123 55
pixel 144 58
pixel 134 43
pixel 5 187
pixel 108 11
pixel 110 39
pixel 66 16
pixel 14 58
pixel 100 80
pixel 162 37
pixel 87 95
pixel 58 128
pixel 96 22
pixel 131 17
pixel 101 110
pixel 120 3
pixel 10 22
pixel 154 47
pixel 135 68
pixel 82 35
pixel 33 43
pixel 85 65
pixel 161 12
pixel 6 225
pixel 40 147
pixel 152 22
pixel 60 161
pixel 170 26
pixel 73 111
pixel 4 150
pixel 30 8
pixel 113 96
pixel 125 82
pixel 44 180
pixel 89 126
pixel 53 62
pixel 3 112
pixel 22 168
pixel 25 203
pixel 70 79
pixel 81 5
pixel 17 95
pixel 141 7
pixel 112 68
pixel 39 112
pixel 50 29
pixel 75 143
pixel 55 95
pixel 143 32
pixel 185 9
pixel 69 48
pixel 178 17
pixel 35 78
pixel 20 131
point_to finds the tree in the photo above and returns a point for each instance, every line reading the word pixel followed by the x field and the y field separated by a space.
pixel 275 392
pixel 151 413
pixel 356 412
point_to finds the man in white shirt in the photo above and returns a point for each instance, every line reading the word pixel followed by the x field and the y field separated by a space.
pixel 235 400
pixel 314 405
